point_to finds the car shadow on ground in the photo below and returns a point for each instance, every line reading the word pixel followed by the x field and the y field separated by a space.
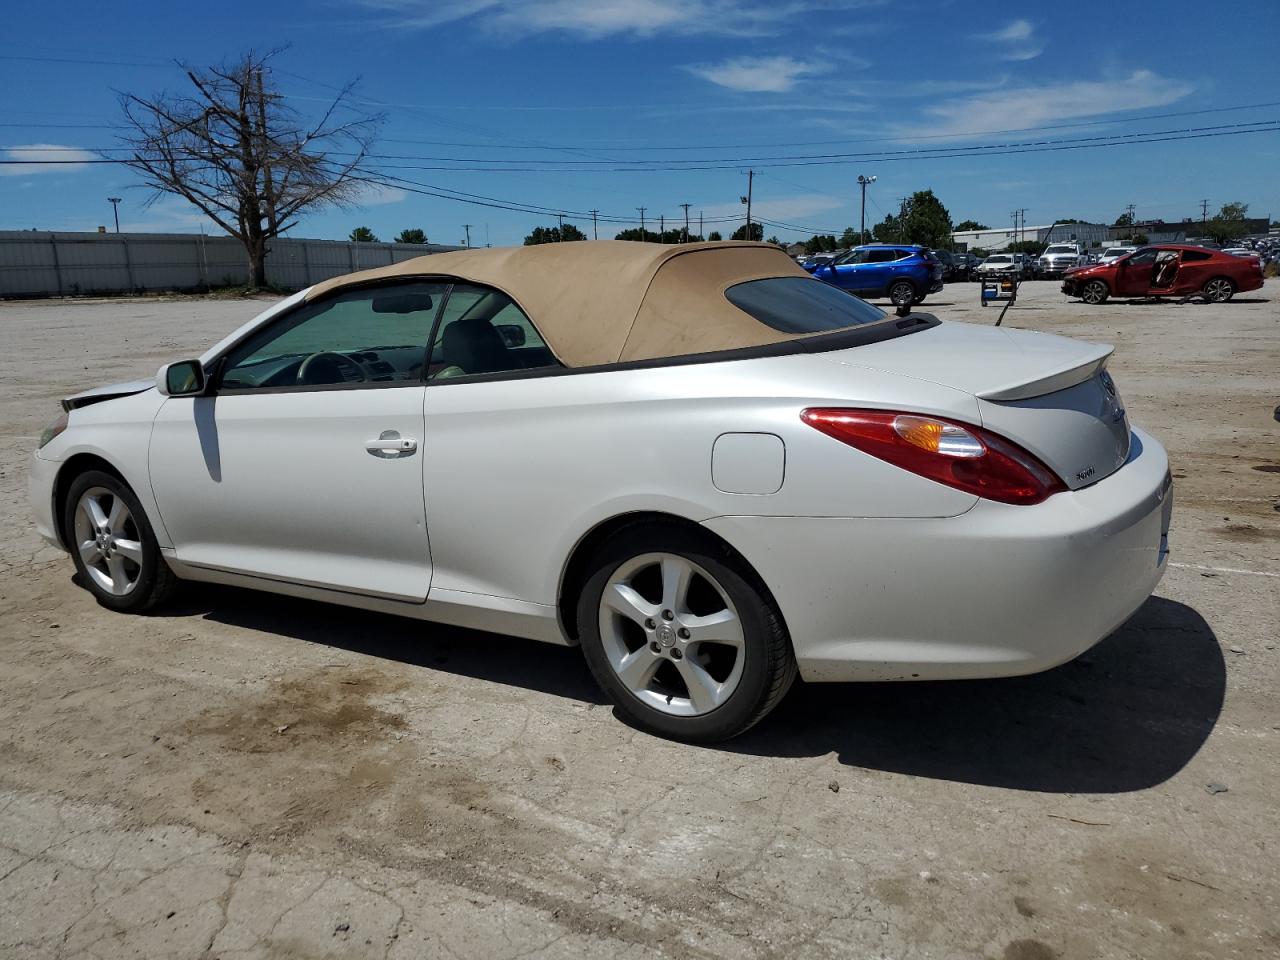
pixel 1127 715
pixel 555 670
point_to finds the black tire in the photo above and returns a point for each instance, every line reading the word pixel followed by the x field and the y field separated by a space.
pixel 1095 292
pixel 917 300
pixel 155 582
pixel 902 293
pixel 1218 289
pixel 769 666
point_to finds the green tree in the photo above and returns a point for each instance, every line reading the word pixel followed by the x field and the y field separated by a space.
pixel 363 235
pixel 926 220
pixel 774 240
pixel 553 235
pixel 714 235
pixel 888 230
pixel 1140 239
pixel 980 252
pixel 413 235
pixel 1229 223
pixel 971 225
pixel 1026 246
pixel 849 238
pixel 757 233
pixel 634 233
pixel 1124 220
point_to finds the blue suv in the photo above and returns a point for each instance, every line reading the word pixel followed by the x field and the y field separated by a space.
pixel 905 273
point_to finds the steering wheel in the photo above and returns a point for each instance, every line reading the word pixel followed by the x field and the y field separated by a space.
pixel 331 367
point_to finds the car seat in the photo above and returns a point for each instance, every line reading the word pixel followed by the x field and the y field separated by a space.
pixel 471 346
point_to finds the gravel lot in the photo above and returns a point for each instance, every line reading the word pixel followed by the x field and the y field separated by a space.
pixel 250 776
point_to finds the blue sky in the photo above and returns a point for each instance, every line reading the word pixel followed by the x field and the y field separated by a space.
pixel 566 104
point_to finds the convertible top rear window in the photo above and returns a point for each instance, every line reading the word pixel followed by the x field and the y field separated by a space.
pixel 801 305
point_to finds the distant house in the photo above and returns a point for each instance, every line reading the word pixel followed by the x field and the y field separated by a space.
pixel 796 250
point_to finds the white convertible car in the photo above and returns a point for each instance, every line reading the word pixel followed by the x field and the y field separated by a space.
pixel 708 469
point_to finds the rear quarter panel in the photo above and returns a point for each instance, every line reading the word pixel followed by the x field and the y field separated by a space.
pixel 517 472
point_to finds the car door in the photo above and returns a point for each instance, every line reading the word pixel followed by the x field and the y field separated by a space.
pixel 477 468
pixel 880 269
pixel 303 462
pixel 1133 274
pixel 846 272
pixel 1195 270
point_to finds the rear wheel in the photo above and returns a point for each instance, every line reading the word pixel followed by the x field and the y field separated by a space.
pixel 1219 290
pixel 902 293
pixel 1094 292
pixel 682 636
pixel 113 546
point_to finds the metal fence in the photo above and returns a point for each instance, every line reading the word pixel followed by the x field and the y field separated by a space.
pixel 40 264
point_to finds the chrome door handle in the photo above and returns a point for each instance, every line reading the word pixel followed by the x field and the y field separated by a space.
pixel 390 445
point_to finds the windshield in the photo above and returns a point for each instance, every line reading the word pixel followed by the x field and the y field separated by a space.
pixel 1061 248
pixel 1000 259
pixel 801 305
pixel 1118 251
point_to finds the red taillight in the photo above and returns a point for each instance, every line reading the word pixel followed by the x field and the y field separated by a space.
pixel 958 454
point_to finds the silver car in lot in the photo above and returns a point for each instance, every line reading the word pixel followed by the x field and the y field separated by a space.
pixel 707 469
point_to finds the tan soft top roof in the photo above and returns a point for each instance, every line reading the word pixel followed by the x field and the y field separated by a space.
pixel 607 301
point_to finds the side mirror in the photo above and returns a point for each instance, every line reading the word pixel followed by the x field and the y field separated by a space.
pixel 182 378
pixel 512 334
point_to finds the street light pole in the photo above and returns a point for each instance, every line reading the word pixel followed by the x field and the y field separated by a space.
pixel 751 175
pixel 862 220
pixel 115 209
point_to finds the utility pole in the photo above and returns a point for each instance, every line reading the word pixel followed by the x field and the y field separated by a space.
pixel 642 210
pixel 1204 212
pixel 595 232
pixel 902 219
pixel 662 228
pixel 862 219
pixel 700 233
pixel 686 220
pixel 115 209
pixel 751 175
pixel 560 229
pixel 467 227
pixel 1022 230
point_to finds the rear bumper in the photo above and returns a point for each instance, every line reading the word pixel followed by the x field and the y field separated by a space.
pixel 998 591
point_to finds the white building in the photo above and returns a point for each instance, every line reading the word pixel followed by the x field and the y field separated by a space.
pixel 1089 234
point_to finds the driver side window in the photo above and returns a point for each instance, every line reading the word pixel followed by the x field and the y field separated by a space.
pixel 370 337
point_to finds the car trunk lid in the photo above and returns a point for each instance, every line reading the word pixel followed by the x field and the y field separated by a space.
pixel 1050 395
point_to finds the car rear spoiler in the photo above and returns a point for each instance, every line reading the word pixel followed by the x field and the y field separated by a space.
pixel 1076 370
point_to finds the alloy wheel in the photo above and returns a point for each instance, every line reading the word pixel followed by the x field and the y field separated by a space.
pixel 1218 290
pixel 108 541
pixel 671 634
pixel 901 294
pixel 1095 291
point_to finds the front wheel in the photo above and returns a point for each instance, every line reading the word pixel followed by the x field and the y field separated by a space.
pixel 113 546
pixel 902 293
pixel 682 636
pixel 1094 292
pixel 1219 290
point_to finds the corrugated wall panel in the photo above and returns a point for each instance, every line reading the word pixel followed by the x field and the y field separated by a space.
pixel 34 264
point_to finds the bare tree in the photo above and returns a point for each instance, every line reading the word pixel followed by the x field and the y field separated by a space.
pixel 236 150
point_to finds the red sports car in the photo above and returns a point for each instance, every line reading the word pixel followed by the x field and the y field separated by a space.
pixel 1167 270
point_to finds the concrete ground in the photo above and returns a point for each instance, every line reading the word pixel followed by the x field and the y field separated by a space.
pixel 242 775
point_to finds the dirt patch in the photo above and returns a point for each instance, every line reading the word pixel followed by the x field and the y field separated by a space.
pixel 1244 533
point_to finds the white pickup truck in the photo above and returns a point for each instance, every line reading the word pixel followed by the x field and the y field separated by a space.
pixel 1060 257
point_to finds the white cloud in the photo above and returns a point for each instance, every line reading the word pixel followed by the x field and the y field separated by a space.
pixel 1018 40
pixel 593 19
pixel 44 158
pixel 1034 106
pixel 378 195
pixel 758 74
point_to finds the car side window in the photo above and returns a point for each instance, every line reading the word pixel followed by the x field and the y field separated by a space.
pixel 369 337
pixel 1190 256
pixel 884 256
pixel 1143 256
pixel 482 331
